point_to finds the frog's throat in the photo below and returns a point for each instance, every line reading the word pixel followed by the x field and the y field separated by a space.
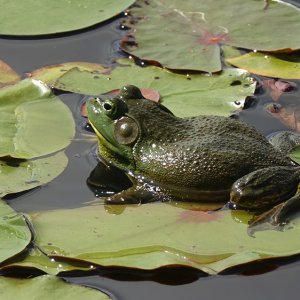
pixel 112 154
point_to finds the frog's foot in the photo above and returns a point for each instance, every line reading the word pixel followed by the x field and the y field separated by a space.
pixel 269 220
pixel 275 218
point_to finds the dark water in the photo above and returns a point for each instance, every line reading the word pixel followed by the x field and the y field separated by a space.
pixel 277 280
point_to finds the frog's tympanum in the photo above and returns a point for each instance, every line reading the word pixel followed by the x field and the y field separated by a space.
pixel 203 158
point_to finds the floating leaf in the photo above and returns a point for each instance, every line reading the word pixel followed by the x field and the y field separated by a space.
pixel 14 232
pixel 29 17
pixel 184 95
pixel 7 74
pixel 186 34
pixel 158 234
pixel 46 287
pixel 278 66
pixel 20 176
pixel 33 122
pixel 38 260
pixel 49 74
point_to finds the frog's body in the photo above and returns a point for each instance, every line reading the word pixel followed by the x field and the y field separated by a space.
pixel 203 158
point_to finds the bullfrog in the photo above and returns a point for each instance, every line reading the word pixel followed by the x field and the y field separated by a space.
pixel 202 158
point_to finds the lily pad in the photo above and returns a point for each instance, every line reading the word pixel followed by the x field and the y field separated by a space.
pixel 49 74
pixel 38 260
pixel 158 234
pixel 183 94
pixel 30 17
pixel 33 122
pixel 17 176
pixel 278 66
pixel 14 232
pixel 7 74
pixel 187 34
pixel 46 287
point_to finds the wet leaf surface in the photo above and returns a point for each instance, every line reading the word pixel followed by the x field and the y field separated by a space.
pixel 193 30
pixel 184 95
pixel 46 287
pixel 154 235
pixel 278 66
pixel 27 110
pixel 49 74
pixel 14 232
pixel 17 176
pixel 29 17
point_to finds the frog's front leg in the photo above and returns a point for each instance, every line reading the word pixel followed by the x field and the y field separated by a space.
pixel 137 194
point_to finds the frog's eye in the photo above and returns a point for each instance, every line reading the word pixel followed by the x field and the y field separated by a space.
pixel 110 108
pixel 126 131
pixel 114 108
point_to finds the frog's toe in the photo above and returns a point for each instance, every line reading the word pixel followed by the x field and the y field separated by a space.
pixel 269 220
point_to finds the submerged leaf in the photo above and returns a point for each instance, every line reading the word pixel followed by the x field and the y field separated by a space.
pixel 183 94
pixel 187 34
pixel 31 17
pixel 17 176
pixel 46 287
pixel 278 66
pixel 33 122
pixel 14 232
pixel 158 234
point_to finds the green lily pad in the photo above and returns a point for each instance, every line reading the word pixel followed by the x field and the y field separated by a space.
pixel 278 66
pixel 158 234
pixel 49 74
pixel 184 95
pixel 14 232
pixel 33 122
pixel 187 34
pixel 46 287
pixel 17 176
pixel 29 17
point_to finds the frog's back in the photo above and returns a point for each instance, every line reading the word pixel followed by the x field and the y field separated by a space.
pixel 205 152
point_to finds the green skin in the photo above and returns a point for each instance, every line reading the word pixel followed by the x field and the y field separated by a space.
pixel 203 158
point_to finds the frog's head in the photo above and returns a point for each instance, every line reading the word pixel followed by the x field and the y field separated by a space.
pixel 118 122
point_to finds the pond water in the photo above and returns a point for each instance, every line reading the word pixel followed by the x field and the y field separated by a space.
pixel 268 280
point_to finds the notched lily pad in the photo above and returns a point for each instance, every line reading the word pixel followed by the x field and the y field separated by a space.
pixel 46 287
pixel 183 94
pixel 33 122
pixel 14 232
pixel 187 34
pixel 155 235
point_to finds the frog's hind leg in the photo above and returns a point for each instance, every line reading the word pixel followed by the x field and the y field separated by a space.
pixel 276 217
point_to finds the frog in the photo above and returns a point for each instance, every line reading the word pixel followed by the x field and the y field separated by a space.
pixel 204 158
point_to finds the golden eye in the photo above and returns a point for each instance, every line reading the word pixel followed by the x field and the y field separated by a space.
pixel 126 131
